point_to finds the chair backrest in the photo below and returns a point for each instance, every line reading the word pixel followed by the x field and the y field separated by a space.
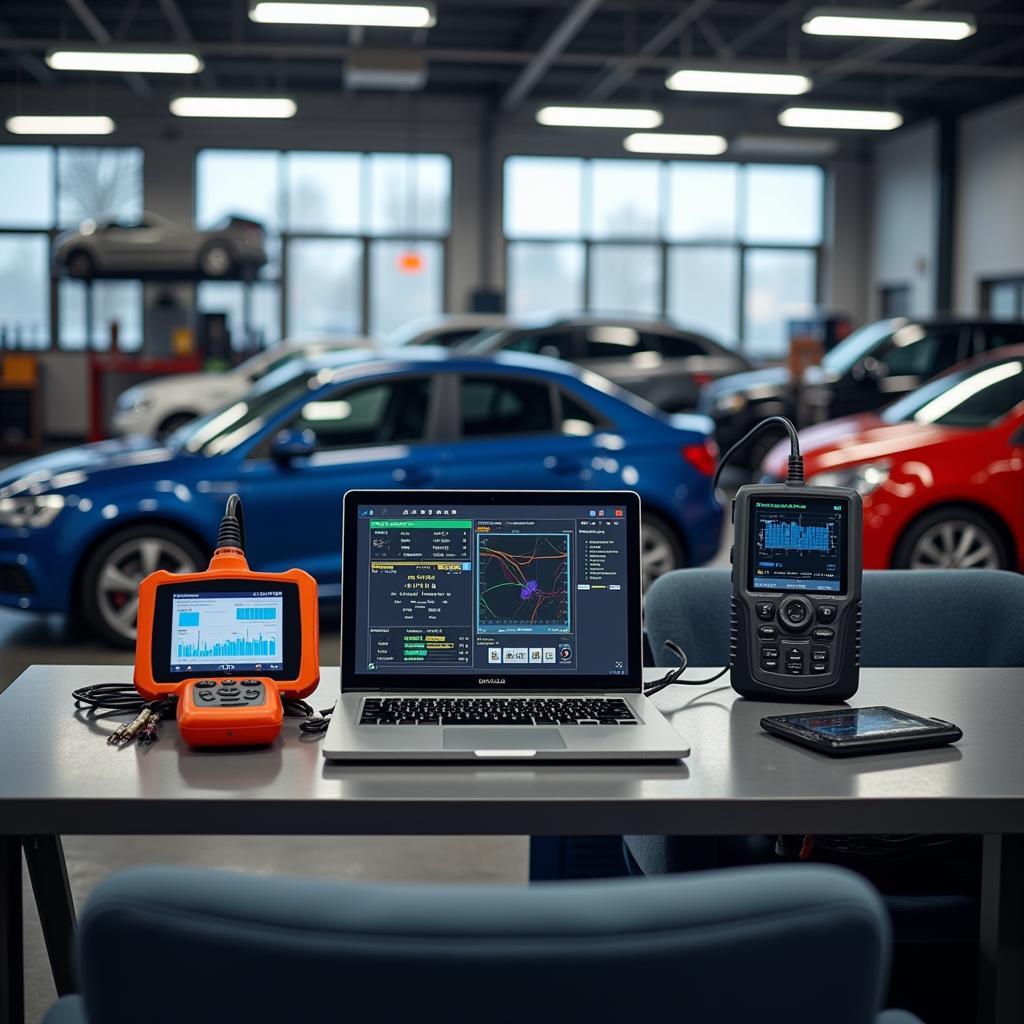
pixel 939 617
pixel 769 944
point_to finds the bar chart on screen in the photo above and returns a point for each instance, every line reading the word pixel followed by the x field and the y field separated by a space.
pixel 215 628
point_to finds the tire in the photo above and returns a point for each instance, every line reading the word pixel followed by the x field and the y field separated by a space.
pixel 172 422
pixel 953 537
pixel 80 264
pixel 108 596
pixel 216 260
pixel 660 549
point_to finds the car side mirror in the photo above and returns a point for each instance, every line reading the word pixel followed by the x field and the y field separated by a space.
pixel 293 444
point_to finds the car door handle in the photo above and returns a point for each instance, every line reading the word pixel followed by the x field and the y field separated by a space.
pixel 413 477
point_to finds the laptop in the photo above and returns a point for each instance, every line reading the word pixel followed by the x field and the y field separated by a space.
pixel 493 625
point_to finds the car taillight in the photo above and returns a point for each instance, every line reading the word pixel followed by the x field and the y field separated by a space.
pixel 703 457
pixel 700 379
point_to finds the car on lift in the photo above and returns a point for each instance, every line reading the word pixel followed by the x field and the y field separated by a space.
pixel 158 407
pixel 154 247
pixel 663 363
pixel 80 528
pixel 941 470
pixel 867 370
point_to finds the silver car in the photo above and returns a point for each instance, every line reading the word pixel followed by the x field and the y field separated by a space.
pixel 156 247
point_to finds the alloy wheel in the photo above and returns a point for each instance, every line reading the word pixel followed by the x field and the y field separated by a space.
pixel 955 544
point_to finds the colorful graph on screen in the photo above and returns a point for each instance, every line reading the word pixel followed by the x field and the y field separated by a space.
pixel 215 629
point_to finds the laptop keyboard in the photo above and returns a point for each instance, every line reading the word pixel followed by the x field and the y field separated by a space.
pixel 496 711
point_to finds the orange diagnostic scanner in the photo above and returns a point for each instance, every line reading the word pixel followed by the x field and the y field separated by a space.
pixel 229 643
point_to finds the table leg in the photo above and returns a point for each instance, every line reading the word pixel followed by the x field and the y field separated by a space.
pixel 48 872
pixel 12 957
pixel 1001 942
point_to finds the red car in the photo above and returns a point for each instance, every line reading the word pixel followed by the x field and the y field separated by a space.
pixel 941 470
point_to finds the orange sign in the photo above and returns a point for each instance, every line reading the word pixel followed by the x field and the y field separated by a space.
pixel 410 262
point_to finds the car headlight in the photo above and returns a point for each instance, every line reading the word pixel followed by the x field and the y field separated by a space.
pixel 866 478
pixel 734 402
pixel 30 510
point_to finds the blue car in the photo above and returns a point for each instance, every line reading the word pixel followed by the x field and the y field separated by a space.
pixel 79 528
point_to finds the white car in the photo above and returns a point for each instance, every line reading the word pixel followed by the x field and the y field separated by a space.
pixel 160 406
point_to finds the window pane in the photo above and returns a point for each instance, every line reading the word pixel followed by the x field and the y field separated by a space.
pixel 243 182
pixel 780 286
pixel 406 281
pixel 544 277
pixel 26 186
pixel 95 182
pixel 543 197
pixel 264 327
pixel 24 291
pixel 324 192
pixel 703 294
pixel 493 407
pixel 557 343
pixel 112 301
pixel 702 201
pixel 324 286
pixel 375 414
pixel 409 193
pixel 783 204
pixel 577 420
pixel 625 279
pixel 615 342
pixel 1004 299
pixel 625 198
pixel 917 352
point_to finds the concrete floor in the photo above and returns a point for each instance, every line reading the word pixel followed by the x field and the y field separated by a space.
pixel 33 639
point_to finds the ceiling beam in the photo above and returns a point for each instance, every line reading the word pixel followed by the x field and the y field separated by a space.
pixel 28 62
pixel 532 73
pixel 624 70
pixel 1009 46
pixel 95 28
pixel 183 34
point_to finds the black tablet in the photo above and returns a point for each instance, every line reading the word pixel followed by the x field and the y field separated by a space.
pixel 847 731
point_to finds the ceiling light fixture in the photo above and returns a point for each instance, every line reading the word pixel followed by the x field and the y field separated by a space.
pixel 858 120
pixel 667 142
pixel 285 12
pixel 757 82
pixel 887 24
pixel 125 61
pixel 233 106
pixel 59 124
pixel 599 117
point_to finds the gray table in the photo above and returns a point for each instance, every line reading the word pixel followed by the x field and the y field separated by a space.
pixel 58 777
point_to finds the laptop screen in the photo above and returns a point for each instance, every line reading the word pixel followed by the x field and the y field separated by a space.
pixel 487 591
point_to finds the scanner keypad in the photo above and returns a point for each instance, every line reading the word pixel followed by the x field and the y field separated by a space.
pixel 229 693
pixel 799 644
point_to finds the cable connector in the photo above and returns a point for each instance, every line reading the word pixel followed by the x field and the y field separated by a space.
pixel 795 473
pixel 232 527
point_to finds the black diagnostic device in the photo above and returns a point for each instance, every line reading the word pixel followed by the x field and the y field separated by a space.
pixel 796 588
pixel 848 731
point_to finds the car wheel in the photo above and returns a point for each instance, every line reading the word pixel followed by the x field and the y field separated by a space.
pixel 109 592
pixel 952 538
pixel 80 264
pixel 216 260
pixel 171 424
pixel 660 550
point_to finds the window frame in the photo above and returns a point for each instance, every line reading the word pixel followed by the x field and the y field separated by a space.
pixel 666 243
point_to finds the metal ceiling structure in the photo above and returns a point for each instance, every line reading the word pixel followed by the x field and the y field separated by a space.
pixel 516 53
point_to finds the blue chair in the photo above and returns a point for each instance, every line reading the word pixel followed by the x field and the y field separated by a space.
pixel 770 945
pixel 950 618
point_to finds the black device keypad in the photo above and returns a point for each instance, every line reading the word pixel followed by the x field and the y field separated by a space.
pixel 229 693
pixel 797 645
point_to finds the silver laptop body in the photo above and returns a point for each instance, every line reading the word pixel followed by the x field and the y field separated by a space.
pixel 463 611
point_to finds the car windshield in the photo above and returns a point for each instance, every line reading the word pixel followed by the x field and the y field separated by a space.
pixel 971 397
pixel 226 428
pixel 857 345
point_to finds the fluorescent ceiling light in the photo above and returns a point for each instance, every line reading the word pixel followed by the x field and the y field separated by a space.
pixel 113 60
pixel 887 24
pixel 284 12
pixel 768 83
pixel 54 124
pixel 821 117
pixel 599 117
pixel 666 142
pixel 233 106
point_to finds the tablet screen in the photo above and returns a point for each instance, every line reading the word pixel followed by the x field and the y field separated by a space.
pixel 861 723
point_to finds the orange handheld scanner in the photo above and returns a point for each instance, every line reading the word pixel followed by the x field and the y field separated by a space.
pixel 228 642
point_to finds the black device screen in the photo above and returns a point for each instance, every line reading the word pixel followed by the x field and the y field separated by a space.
pixel 799 544
pixel 454 588
pixel 224 627
pixel 861 723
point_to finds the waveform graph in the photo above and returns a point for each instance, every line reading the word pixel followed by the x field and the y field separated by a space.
pixel 523 582
pixel 805 533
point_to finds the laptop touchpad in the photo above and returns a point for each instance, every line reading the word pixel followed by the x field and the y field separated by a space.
pixel 465 737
